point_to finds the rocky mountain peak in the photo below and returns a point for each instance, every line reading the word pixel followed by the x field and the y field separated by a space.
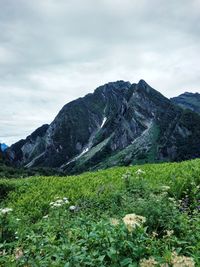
pixel 143 84
pixel 119 124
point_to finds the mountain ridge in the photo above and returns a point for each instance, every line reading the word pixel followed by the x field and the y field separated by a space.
pixel 188 100
pixel 118 124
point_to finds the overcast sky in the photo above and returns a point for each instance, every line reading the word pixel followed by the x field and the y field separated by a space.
pixel 54 51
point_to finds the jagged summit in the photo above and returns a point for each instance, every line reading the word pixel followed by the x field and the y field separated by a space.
pixel 119 124
pixel 143 83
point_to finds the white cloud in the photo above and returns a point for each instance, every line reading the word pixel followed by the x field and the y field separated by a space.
pixel 52 52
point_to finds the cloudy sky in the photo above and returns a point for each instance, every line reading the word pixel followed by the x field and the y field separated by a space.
pixel 53 51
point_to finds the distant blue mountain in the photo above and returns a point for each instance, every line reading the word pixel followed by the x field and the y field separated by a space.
pixel 3 146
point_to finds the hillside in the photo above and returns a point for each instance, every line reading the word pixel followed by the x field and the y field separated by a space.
pixel 119 124
pixel 188 101
pixel 144 215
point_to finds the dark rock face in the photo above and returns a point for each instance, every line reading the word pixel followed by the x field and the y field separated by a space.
pixel 188 101
pixel 25 150
pixel 119 124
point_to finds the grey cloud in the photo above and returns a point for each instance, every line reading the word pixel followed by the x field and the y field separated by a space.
pixel 52 52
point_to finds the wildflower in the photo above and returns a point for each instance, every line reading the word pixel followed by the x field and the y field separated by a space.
pixel 114 221
pixel 56 205
pixel 59 201
pixel 139 171
pixel 18 253
pixel 148 262
pixel 73 208
pixel 165 187
pixel 182 261
pixel 46 216
pixel 126 175
pixel 17 219
pixel 5 210
pixel 65 199
pixel 169 233
pixel 171 199
pixel 133 220
pixel 154 234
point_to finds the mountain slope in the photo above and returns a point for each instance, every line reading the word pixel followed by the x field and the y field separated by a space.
pixel 188 101
pixel 119 124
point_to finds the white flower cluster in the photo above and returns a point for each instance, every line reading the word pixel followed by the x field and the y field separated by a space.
pixel 133 220
pixel 73 208
pixel 139 172
pixel 165 188
pixel 5 210
pixel 59 202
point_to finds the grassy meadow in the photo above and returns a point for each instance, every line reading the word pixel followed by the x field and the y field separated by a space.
pixel 147 215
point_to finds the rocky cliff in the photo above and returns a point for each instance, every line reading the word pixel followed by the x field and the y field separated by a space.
pixel 119 124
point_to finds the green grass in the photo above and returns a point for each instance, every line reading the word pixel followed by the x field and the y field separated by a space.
pixel 86 237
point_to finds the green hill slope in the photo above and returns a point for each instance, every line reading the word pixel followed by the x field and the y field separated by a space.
pixel 80 220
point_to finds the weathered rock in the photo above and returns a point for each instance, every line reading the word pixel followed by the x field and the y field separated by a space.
pixel 119 124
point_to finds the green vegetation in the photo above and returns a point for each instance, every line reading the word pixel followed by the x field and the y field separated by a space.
pixel 80 220
pixel 8 171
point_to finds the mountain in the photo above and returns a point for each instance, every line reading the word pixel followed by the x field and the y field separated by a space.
pixel 119 124
pixel 3 146
pixel 188 101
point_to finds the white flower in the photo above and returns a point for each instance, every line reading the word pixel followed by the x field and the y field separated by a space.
pixel 139 171
pixel 169 233
pixel 5 210
pixel 60 201
pixel 72 208
pixel 133 220
pixel 56 205
pixel 46 216
pixel 18 253
pixel 65 199
pixel 114 221
pixel 17 219
pixel 165 187
pixel 180 261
